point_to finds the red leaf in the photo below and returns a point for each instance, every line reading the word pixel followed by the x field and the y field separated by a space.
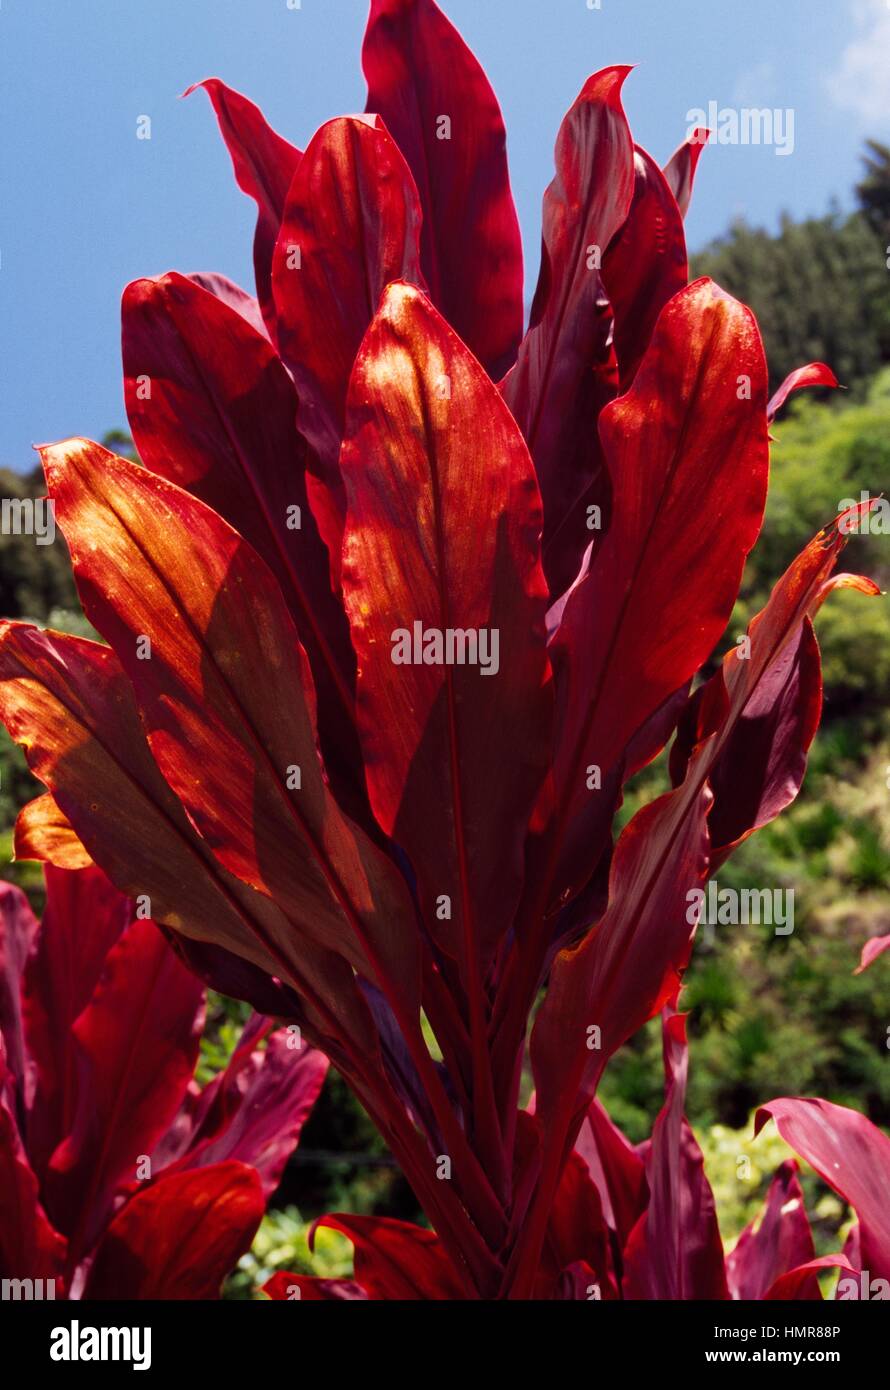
pixel 442 535
pixel 675 1251
pixel 689 459
pixel 264 165
pixel 83 919
pixel 213 409
pixel 395 1260
pixel 616 1168
pixel 796 1282
pixel 816 374
pixel 136 1045
pixel 565 372
pixel 221 287
pixel 765 700
pixel 577 1232
pixel 227 690
pixel 781 1242
pixel 645 266
pixel 180 1236
pixel 763 760
pixel 419 69
pixel 851 1155
pixel 254 1111
pixel 679 172
pixel 870 952
pixel 354 218
pixel 29 1246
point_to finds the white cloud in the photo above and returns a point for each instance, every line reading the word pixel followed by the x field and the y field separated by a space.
pixel 861 81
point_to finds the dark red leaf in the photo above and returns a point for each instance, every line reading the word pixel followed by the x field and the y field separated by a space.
pixel 351 225
pixel 212 409
pixel 645 266
pixel 420 72
pixel 180 1237
pixel 395 1260
pixel 264 165
pixel 442 536
pixel 83 919
pixel 688 453
pixel 679 172
pixel 779 1242
pixel 254 1111
pixel 851 1155
pixel 675 1251
pixel 136 1045
pixel 566 372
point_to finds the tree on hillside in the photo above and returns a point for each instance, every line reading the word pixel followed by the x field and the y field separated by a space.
pixel 874 190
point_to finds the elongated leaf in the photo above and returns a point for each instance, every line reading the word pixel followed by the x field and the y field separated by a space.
pixel 781 1242
pixel 688 453
pixel 438 105
pixel 29 1246
pixel 762 763
pixel 180 1237
pixel 616 1168
pixel 135 1045
pixel 566 371
pixel 442 537
pixel 851 1155
pixel 679 172
pixel 794 1284
pixel 351 225
pixel 264 165
pixel 83 919
pixel 212 408
pixel 621 974
pixel 816 374
pixel 645 266
pixel 257 1107
pixel 675 1251
pixel 227 690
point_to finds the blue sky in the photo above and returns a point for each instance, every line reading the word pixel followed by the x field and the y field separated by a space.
pixel 87 207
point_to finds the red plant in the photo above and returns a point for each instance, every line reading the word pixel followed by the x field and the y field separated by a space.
pixel 352 484
pixel 120 1177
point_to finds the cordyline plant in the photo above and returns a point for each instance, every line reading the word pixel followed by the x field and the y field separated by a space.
pixel 399 600
pixel 120 1177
